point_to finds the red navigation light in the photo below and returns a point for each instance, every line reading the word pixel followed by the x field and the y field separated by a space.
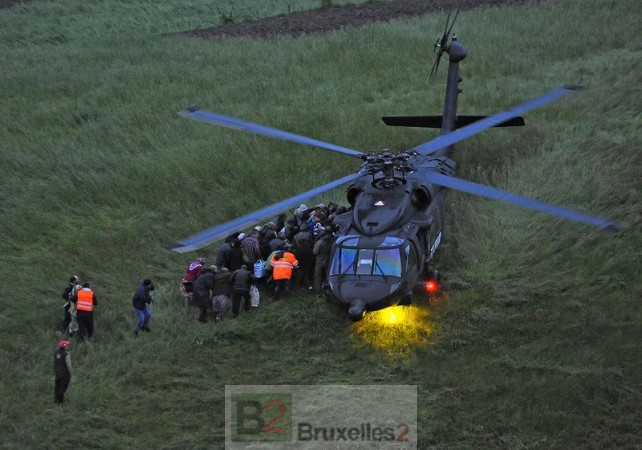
pixel 431 286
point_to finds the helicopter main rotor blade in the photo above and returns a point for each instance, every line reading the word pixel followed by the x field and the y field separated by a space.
pixel 446 140
pixel 509 197
pixel 220 231
pixel 231 122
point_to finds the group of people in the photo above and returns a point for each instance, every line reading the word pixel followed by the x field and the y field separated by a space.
pixel 79 305
pixel 283 255
pixel 78 321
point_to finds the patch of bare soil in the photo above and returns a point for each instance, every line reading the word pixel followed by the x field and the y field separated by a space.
pixel 322 21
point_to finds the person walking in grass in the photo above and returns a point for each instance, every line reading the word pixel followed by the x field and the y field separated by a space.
pixel 85 302
pixel 73 281
pixel 62 371
pixel 141 300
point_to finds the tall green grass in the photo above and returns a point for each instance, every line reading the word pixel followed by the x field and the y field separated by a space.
pixel 536 342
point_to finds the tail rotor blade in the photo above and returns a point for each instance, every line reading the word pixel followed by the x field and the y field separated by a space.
pixel 435 66
pixel 442 44
pixel 451 25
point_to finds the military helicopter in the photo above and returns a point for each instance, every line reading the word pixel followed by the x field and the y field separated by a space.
pixel 387 239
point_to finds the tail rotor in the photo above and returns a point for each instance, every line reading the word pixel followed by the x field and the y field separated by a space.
pixel 441 45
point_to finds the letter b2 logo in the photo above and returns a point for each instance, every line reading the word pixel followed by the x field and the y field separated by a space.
pixel 261 417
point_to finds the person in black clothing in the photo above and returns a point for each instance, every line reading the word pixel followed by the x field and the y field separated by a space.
pixel 141 299
pixel 201 295
pixel 62 371
pixel 241 279
pixel 73 281
pixel 304 275
pixel 321 251
pixel 221 292
pixel 236 256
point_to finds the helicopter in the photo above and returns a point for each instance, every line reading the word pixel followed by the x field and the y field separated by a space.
pixel 385 243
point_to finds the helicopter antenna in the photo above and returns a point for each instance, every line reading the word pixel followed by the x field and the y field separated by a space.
pixel 441 45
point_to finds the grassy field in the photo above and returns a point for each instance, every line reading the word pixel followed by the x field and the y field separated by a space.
pixel 536 340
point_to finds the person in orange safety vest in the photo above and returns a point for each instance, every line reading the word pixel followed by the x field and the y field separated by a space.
pixel 282 264
pixel 85 302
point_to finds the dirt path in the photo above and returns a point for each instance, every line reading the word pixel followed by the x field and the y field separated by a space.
pixel 321 21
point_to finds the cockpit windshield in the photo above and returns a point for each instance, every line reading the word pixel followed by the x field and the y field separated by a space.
pixel 349 259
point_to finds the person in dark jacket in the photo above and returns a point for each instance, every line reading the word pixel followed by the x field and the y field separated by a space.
pixel 241 279
pixel 236 256
pixel 304 275
pixel 73 281
pixel 141 299
pixel 267 233
pixel 223 255
pixel 202 295
pixel 62 371
pixel 221 292
pixel 278 243
pixel 321 251
pixel 230 255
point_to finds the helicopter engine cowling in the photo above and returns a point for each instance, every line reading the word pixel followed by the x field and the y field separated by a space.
pixel 352 194
pixel 421 197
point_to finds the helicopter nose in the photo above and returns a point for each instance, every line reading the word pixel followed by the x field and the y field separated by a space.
pixel 356 310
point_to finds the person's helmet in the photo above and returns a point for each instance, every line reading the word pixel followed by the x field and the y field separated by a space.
pixel 63 344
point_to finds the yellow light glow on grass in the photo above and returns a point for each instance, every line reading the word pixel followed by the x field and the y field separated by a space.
pixel 397 330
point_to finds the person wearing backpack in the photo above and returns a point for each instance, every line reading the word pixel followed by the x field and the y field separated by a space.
pixel 73 281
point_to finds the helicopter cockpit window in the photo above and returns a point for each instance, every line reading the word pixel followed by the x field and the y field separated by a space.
pixel 388 263
pixel 353 261
pixel 343 261
pixel 364 266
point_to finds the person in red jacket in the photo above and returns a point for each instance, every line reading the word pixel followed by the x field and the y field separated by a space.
pixel 193 272
pixel 282 264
